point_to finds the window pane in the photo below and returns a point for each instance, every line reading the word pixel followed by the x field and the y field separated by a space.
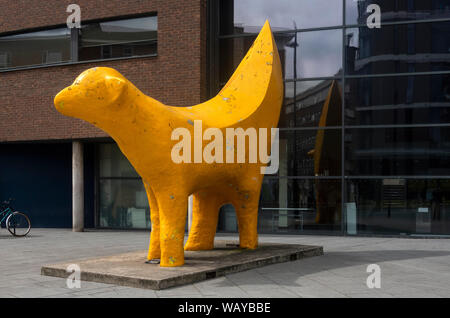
pixel 113 163
pixel 422 47
pixel 293 205
pixel 35 48
pixel 406 10
pixel 319 54
pixel 123 204
pixel 398 151
pixel 310 153
pixel 227 219
pixel 296 205
pixel 318 104
pixel 396 206
pixel 398 100
pixel 122 38
pixel 249 15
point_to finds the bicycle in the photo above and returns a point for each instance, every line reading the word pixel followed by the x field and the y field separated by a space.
pixel 17 223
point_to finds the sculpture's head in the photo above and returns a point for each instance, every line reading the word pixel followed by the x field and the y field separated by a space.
pixel 96 94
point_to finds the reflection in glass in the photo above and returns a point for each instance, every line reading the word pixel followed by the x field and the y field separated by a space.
pixel 310 153
pixel 122 38
pixel 396 206
pixel 123 204
pixel 227 219
pixel 296 205
pixel 396 11
pixel 422 47
pixel 249 15
pixel 311 54
pixel 113 163
pixel 317 104
pixel 319 54
pixel 123 199
pixel 35 48
pixel 398 100
pixel 398 151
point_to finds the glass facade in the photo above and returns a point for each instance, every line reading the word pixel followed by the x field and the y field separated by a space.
pixel 365 125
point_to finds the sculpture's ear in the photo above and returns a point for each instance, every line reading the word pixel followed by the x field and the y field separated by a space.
pixel 116 87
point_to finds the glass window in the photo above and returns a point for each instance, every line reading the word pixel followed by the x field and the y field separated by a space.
pixel 296 205
pixel 317 104
pixel 249 15
pixel 394 49
pixel 398 151
pixel 35 48
pixel 123 199
pixel 121 38
pixel 310 152
pixel 394 11
pixel 315 54
pixel 113 163
pixel 319 54
pixel 123 204
pixel 227 219
pixel 397 206
pixel 398 100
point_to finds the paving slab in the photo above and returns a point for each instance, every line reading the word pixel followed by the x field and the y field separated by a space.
pixel 130 269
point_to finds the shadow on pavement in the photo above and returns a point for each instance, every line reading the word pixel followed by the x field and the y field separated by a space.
pixel 332 261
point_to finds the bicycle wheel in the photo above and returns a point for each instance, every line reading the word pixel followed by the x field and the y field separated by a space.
pixel 18 224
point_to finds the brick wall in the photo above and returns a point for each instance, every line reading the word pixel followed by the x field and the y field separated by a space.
pixel 177 76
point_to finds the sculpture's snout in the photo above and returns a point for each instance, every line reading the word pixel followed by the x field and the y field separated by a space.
pixel 61 100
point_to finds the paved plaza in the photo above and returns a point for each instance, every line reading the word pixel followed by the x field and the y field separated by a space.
pixel 409 267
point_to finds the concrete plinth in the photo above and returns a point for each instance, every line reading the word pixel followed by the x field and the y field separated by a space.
pixel 131 270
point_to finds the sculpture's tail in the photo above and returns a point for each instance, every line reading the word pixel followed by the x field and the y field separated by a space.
pixel 254 90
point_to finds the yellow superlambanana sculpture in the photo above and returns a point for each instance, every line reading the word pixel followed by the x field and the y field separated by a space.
pixel 143 126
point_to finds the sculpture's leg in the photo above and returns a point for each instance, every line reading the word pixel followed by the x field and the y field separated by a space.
pixel 154 250
pixel 246 206
pixel 172 217
pixel 205 214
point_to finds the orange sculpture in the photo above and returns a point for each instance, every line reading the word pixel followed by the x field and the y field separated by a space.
pixel 144 131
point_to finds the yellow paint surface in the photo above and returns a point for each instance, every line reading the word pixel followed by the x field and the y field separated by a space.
pixel 142 128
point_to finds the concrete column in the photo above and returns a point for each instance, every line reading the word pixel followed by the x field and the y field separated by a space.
pixel 190 207
pixel 77 187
